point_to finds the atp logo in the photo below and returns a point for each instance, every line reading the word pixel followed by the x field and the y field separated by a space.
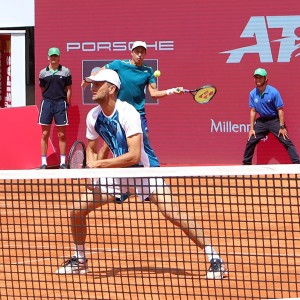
pixel 259 28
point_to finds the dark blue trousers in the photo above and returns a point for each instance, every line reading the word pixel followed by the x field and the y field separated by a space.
pixel 263 127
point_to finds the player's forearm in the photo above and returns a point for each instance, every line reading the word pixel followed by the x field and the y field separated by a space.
pixel 163 93
pixel 91 150
pixel 103 152
pixel 69 95
pixel 122 161
pixel 159 94
pixel 91 156
pixel 252 119
pixel 281 116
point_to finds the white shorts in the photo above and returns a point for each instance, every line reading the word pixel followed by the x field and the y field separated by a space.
pixel 142 187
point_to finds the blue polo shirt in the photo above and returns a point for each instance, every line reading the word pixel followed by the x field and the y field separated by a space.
pixel 134 80
pixel 266 104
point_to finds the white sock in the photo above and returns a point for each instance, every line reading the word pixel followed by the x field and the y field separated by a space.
pixel 80 252
pixel 44 160
pixel 62 159
pixel 211 253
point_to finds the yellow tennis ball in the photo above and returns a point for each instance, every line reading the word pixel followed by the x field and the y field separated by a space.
pixel 157 73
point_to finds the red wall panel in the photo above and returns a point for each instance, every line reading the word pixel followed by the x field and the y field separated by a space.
pixel 194 43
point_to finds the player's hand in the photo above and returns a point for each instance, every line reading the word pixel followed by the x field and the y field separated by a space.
pixel 284 133
pixel 251 133
pixel 179 90
pixel 94 164
pixel 84 84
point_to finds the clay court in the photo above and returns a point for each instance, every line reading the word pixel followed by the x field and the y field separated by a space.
pixel 134 253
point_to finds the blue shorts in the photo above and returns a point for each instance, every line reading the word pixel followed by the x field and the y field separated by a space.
pixel 144 123
pixel 57 109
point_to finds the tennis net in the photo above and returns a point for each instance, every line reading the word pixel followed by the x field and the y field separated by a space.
pixel 249 213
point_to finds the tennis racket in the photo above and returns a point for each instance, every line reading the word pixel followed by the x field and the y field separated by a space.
pixel 203 94
pixel 77 156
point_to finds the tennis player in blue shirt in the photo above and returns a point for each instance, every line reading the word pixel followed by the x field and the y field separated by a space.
pixel 265 100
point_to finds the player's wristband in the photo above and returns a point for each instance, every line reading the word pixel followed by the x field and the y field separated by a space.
pixel 170 92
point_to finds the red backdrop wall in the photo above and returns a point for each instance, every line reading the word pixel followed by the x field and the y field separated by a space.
pixel 193 43
pixel 20 142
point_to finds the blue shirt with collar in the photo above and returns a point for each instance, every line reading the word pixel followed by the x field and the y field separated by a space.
pixel 267 103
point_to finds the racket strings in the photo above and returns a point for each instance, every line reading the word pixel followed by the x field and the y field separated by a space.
pixel 205 95
pixel 77 159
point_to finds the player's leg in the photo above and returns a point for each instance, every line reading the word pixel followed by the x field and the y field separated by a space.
pixel 274 127
pixel 61 133
pixel 61 121
pixel 146 139
pixel 168 205
pixel 261 131
pixel 44 144
pixel 144 123
pixel 92 199
pixel 170 209
pixel 45 120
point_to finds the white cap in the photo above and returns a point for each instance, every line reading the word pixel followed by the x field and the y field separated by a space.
pixel 139 44
pixel 106 75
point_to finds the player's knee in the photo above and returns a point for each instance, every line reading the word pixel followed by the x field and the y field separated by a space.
pixel 45 135
pixel 61 135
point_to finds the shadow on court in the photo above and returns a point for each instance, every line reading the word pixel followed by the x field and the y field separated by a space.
pixel 143 272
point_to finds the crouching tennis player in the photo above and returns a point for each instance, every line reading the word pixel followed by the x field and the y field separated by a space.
pixel 119 125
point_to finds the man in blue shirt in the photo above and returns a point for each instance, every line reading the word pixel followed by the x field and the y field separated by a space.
pixel 267 102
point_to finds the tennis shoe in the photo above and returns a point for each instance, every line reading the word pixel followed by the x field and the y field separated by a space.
pixel 73 266
pixel 63 166
pixel 217 269
pixel 123 198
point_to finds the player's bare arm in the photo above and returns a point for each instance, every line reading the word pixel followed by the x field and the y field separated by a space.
pixel 155 93
pixel 92 150
pixel 69 94
pixel 252 121
pixel 84 83
pixel 103 152
pixel 132 157
pixel 282 129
